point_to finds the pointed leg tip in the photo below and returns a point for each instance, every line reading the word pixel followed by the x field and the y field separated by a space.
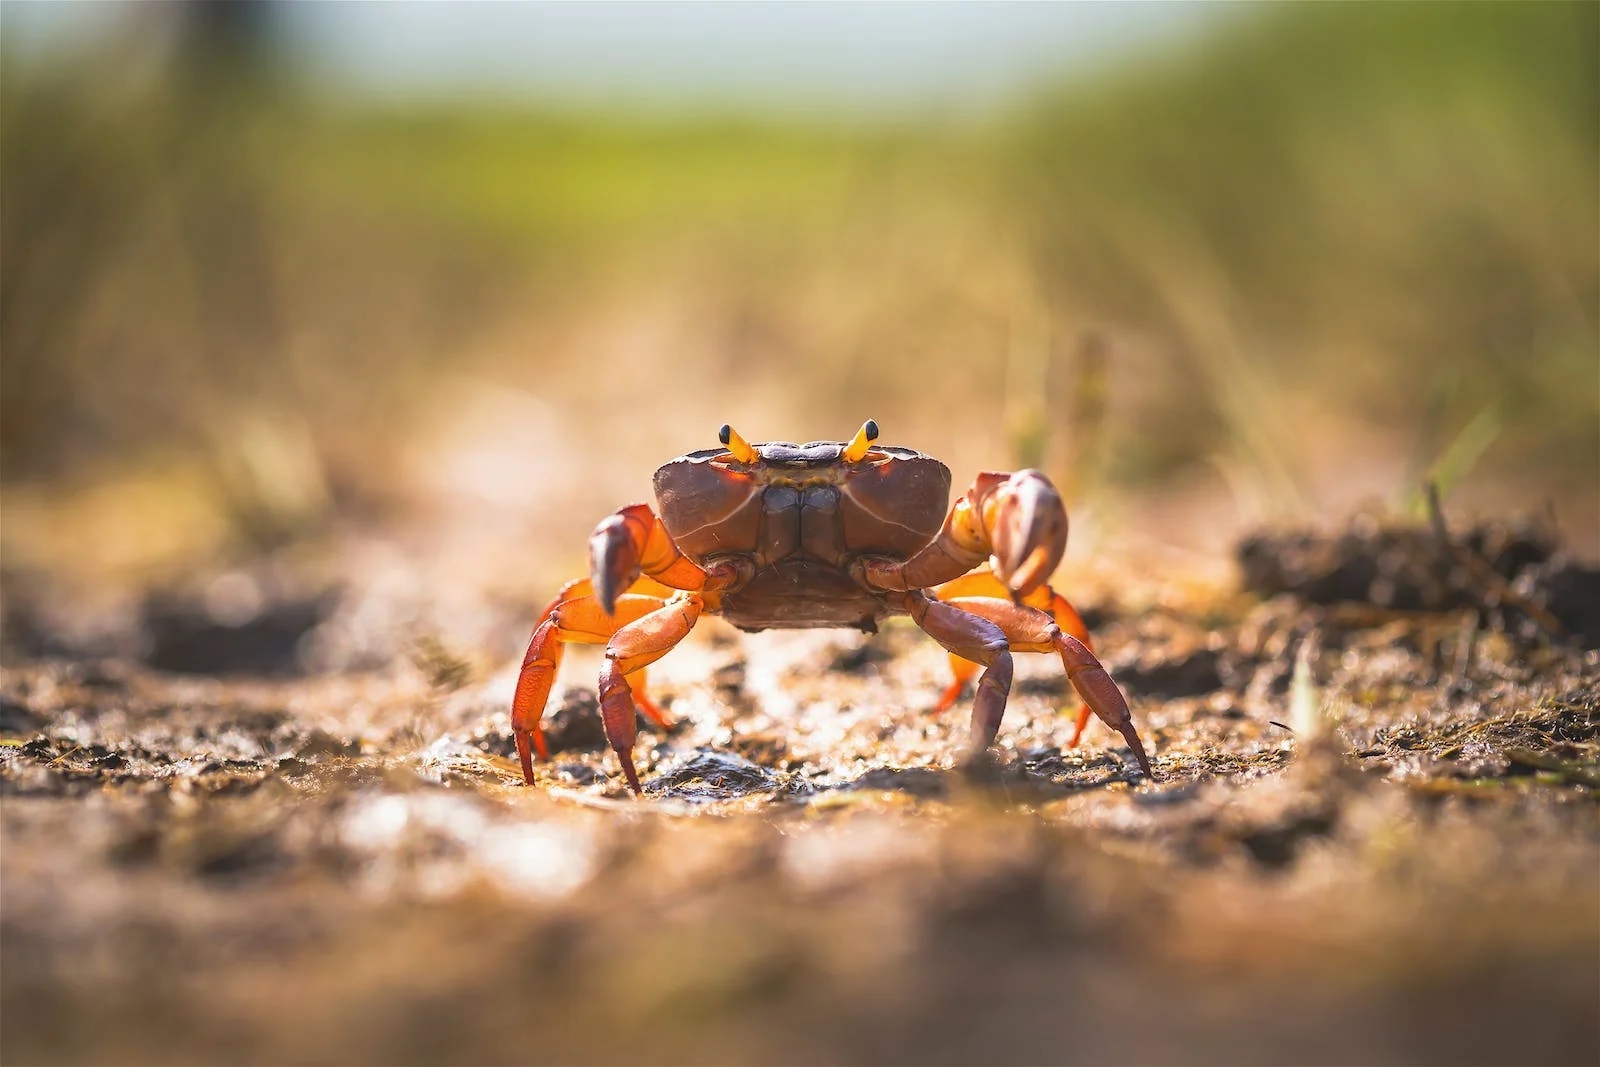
pixel 630 773
pixel 1138 752
pixel 524 756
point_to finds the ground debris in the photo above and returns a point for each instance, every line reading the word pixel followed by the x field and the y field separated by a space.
pixel 814 873
pixel 1513 572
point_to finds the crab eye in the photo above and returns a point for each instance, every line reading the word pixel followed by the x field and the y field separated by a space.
pixel 856 450
pixel 737 445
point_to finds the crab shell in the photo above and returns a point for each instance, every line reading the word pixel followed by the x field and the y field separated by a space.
pixel 801 514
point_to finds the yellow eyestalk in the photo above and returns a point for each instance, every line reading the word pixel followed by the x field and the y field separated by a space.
pixel 856 450
pixel 737 445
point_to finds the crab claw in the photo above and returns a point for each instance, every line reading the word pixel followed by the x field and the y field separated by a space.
pixel 1028 531
pixel 613 560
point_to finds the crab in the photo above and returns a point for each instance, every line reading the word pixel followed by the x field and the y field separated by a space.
pixel 826 534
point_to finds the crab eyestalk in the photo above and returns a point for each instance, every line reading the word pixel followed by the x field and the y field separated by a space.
pixel 1028 531
pixel 741 449
pixel 856 450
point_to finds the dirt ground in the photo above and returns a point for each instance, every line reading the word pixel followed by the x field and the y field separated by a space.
pixel 1372 837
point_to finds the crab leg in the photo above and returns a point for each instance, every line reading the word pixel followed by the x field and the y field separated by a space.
pixel 634 567
pixel 1017 520
pixel 972 638
pixel 983 583
pixel 631 648
pixel 571 618
pixel 1030 630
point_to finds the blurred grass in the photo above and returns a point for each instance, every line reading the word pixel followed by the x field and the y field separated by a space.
pixel 1286 239
pixel 1341 204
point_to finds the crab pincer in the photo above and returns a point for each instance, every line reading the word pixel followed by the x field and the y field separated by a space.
pixel 613 559
pixel 1028 531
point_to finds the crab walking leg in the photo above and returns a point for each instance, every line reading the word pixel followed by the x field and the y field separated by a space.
pixel 976 639
pixel 578 588
pixel 1018 520
pixel 597 628
pixel 1030 630
pixel 576 619
pixel 983 583
pixel 631 648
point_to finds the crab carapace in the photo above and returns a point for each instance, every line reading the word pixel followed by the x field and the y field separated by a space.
pixel 826 534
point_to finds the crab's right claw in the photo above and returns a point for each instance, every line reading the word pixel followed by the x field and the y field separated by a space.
pixel 1028 530
pixel 614 550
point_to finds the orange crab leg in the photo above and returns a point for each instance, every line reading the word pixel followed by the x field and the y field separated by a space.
pixel 1017 520
pixel 983 583
pixel 583 621
pixel 634 567
pixel 631 648
pixel 577 619
pixel 1031 630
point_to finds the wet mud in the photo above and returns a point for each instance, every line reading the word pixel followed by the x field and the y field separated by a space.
pixel 1372 837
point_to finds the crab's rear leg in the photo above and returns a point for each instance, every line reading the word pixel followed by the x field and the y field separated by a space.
pixel 983 583
pixel 630 649
pixel 1030 630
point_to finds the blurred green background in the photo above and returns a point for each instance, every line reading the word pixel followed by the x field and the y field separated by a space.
pixel 1210 265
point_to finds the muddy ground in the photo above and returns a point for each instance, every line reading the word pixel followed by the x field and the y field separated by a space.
pixel 1373 837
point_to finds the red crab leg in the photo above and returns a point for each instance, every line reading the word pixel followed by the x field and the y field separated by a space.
pixel 634 646
pixel 1030 630
pixel 976 639
pixel 575 619
pixel 1016 519
pixel 983 583
pixel 629 551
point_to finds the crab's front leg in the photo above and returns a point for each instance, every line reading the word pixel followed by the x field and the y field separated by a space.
pixel 973 638
pixel 1016 521
pixel 630 649
pixel 1029 629
pixel 634 567
pixel 983 583
pixel 575 617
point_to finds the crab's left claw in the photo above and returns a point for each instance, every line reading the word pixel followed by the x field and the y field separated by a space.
pixel 633 542
pixel 1027 526
pixel 614 549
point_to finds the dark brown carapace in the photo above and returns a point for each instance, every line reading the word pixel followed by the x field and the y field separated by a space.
pixel 840 534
